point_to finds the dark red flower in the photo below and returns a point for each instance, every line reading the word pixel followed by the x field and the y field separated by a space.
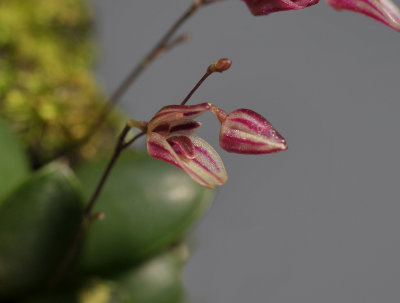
pixel 265 7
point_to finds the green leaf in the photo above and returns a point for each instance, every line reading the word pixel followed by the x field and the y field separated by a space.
pixel 38 222
pixel 149 204
pixel 13 161
pixel 158 280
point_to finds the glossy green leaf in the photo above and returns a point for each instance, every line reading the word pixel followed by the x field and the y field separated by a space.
pixel 13 161
pixel 38 222
pixel 158 280
pixel 149 204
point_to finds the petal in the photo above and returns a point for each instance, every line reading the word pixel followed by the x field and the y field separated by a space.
pixel 173 114
pixel 162 129
pixel 183 146
pixel 184 127
pixel 384 11
pixel 159 148
pixel 207 164
pixel 246 132
pixel 265 7
pixel 205 168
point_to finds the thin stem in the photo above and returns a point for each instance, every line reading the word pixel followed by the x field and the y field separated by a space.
pixel 178 40
pixel 219 66
pixel 162 45
pixel 205 76
pixel 133 139
pixel 150 56
pixel 117 151
pixel 88 217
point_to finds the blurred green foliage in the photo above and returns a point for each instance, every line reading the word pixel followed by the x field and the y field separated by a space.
pixel 47 89
pixel 157 280
pixel 149 204
pixel 38 222
pixel 49 98
pixel 14 164
pixel 130 257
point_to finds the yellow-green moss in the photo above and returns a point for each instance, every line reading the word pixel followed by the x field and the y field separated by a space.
pixel 47 89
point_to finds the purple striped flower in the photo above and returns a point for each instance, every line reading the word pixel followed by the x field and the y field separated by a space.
pixel 170 138
pixel 245 132
pixel 384 11
pixel 265 7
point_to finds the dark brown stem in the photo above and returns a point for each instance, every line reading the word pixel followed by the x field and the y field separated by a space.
pixel 117 151
pixel 88 216
pixel 206 75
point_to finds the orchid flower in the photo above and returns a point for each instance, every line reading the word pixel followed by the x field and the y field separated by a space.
pixel 384 11
pixel 265 7
pixel 170 138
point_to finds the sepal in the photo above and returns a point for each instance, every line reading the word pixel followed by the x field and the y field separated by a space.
pixel 384 11
pixel 265 7
pixel 193 155
pixel 246 132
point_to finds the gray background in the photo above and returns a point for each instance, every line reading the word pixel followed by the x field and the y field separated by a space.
pixel 319 222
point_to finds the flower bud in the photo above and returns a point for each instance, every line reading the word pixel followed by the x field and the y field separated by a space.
pixel 220 65
pixel 246 132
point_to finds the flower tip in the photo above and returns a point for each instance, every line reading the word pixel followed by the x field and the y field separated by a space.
pixel 220 65
pixel 282 146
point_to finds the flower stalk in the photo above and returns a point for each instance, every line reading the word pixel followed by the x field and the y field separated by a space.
pixel 219 66
pixel 163 45
pixel 166 43
pixel 89 216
